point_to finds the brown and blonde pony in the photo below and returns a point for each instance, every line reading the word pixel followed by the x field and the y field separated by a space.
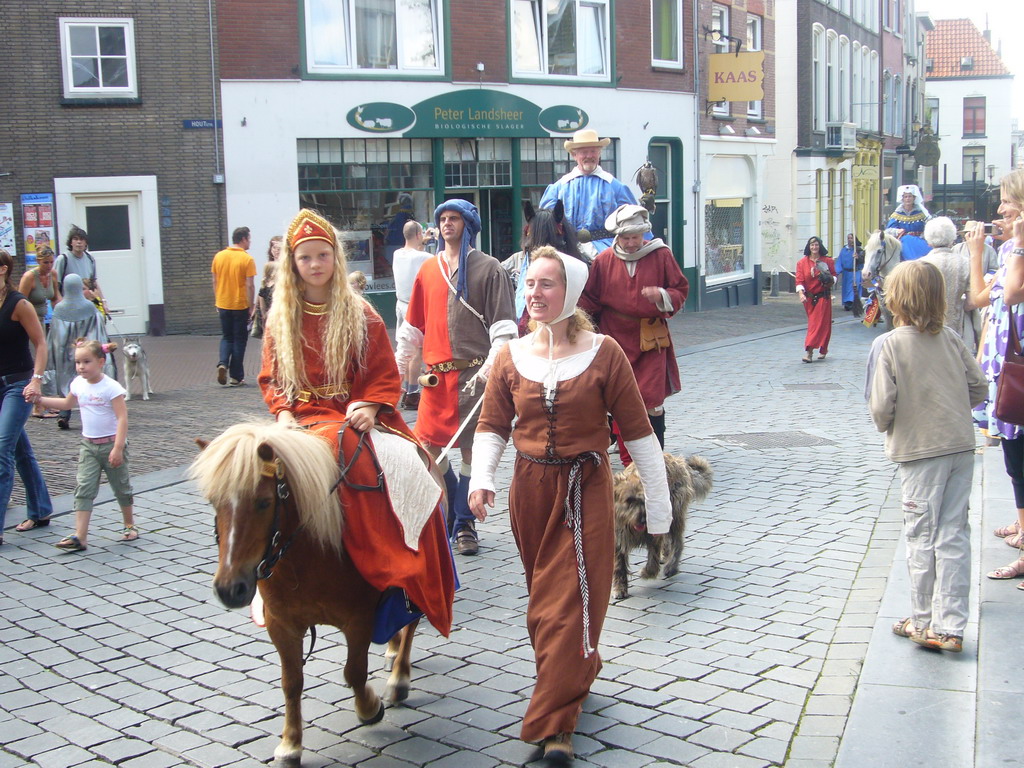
pixel 272 487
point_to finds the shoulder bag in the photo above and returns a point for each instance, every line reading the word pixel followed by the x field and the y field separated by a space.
pixel 1009 406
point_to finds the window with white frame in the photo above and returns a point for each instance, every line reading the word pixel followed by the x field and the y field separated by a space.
pixel 720 24
pixel 720 42
pixel 931 114
pixel 867 96
pixel 667 33
pixel 754 27
pixel 844 80
pixel 374 36
pixel 872 95
pixel 98 58
pixel 561 38
pixel 818 77
pixel 897 106
pixel 832 76
pixel 887 103
pixel 855 107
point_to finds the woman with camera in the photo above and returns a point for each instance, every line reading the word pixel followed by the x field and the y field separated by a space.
pixel 815 277
pixel 1003 294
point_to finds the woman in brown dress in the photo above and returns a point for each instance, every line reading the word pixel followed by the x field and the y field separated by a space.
pixel 560 381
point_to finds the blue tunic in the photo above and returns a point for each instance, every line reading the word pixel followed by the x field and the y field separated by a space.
pixel 914 247
pixel 588 199
pixel 911 223
pixel 846 265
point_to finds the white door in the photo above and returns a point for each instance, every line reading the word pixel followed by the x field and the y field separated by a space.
pixel 115 241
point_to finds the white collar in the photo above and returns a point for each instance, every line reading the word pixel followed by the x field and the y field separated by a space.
pixel 600 172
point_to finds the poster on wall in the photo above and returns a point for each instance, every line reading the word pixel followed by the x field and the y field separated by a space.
pixel 37 224
pixel 7 239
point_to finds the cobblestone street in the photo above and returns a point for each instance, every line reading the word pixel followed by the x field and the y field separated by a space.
pixel 748 658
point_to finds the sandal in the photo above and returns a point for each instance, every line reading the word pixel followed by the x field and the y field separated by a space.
pixel 70 544
pixel 951 643
pixel 821 355
pixel 28 524
pixel 808 358
pixel 1016 540
pixel 904 627
pixel 927 639
pixel 1011 571
pixel 129 533
pixel 1008 530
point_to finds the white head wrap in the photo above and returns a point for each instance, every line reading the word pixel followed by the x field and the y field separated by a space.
pixel 576 274
pixel 628 219
pixel 914 190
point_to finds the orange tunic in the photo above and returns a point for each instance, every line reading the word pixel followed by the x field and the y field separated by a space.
pixel 373 535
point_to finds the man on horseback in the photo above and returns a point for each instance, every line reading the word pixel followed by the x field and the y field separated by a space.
pixel 588 192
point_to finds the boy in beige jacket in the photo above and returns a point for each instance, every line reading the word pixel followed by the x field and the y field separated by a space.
pixel 921 385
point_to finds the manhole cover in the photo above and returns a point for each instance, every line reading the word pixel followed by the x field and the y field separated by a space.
pixel 810 387
pixel 769 440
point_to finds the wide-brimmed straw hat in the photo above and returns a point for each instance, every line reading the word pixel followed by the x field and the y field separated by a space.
pixel 585 137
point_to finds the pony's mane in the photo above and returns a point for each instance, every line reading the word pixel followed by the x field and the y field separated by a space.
pixel 227 472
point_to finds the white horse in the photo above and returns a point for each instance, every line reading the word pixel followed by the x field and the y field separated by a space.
pixel 881 254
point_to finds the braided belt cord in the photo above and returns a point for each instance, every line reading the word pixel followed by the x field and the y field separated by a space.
pixel 574 522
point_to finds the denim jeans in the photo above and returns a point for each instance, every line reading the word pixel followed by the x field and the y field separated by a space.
pixel 16 453
pixel 234 336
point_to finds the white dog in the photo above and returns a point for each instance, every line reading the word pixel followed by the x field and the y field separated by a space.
pixel 135 367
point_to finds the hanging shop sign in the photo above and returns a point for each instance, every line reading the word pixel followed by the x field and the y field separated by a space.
pixel 467 113
pixel 37 224
pixel 736 76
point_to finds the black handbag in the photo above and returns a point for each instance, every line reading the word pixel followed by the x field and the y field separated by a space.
pixel 1009 405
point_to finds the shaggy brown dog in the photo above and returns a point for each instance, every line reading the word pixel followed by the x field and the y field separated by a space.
pixel 689 480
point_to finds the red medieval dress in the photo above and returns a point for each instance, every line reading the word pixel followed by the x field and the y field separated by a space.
pixel 554 440
pixel 373 535
pixel 817 303
pixel 613 298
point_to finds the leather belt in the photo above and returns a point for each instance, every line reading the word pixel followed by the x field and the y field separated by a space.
pixel 100 440
pixel 320 393
pixel 601 234
pixel 456 365
pixel 14 378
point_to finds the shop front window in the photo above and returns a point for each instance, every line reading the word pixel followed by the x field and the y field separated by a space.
pixel 724 237
pixel 369 189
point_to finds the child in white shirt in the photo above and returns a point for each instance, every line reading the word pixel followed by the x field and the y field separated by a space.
pixel 101 400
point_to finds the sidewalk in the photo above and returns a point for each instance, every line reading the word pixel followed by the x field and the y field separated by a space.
pixel 771 647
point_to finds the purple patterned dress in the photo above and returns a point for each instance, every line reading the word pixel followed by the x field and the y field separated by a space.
pixel 997 337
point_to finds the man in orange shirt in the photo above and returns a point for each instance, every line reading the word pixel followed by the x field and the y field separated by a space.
pixel 234 273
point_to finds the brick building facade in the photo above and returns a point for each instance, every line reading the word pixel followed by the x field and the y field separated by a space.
pixel 96 119
pixel 468 98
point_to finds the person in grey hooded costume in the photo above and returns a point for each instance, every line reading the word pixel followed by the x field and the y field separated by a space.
pixel 74 317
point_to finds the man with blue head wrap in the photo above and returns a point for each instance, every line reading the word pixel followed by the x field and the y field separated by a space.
pixel 460 314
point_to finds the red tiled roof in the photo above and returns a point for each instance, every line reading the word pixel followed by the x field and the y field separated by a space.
pixel 954 39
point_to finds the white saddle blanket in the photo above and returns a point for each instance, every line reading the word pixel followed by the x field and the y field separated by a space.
pixel 413 491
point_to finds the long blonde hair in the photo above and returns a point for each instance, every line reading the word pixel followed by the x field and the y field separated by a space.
pixel 343 341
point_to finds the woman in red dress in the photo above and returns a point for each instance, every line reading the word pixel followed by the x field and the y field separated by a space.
pixel 815 290
pixel 328 366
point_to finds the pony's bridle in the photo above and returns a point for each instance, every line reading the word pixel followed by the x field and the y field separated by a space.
pixel 275 550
